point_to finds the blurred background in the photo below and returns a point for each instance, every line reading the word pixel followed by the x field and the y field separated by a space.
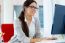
pixel 48 14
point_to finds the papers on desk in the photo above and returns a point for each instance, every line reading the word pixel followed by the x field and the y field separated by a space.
pixel 46 42
pixel 49 41
pixel 52 41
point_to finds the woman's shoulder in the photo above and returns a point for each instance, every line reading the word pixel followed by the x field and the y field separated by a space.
pixel 36 19
pixel 17 21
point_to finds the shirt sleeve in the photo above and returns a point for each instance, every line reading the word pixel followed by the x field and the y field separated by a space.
pixel 37 28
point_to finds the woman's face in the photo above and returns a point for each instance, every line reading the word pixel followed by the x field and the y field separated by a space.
pixel 31 9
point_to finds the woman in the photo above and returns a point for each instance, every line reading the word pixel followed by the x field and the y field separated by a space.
pixel 27 26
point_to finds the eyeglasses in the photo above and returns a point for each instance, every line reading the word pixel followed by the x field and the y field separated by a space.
pixel 33 7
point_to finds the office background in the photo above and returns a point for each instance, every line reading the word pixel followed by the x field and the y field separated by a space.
pixel 48 12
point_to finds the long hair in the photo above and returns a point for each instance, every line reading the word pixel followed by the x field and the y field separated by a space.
pixel 22 18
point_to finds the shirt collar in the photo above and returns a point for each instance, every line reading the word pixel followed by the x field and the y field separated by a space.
pixel 31 21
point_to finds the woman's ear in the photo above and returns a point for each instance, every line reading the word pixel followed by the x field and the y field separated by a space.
pixel 25 7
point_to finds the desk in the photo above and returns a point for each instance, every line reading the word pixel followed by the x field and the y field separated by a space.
pixel 60 39
pixel 52 41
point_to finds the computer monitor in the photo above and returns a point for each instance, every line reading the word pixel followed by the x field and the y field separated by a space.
pixel 58 21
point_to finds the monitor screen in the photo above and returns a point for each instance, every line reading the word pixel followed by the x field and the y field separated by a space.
pixel 58 21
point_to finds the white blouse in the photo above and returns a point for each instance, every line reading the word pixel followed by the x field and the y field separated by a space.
pixel 31 27
pixel 19 35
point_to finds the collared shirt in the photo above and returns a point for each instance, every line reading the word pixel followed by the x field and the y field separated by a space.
pixel 19 35
pixel 31 27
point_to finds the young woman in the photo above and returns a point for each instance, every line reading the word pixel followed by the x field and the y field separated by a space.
pixel 27 26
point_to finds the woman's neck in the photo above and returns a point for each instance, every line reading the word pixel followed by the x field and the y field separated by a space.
pixel 28 18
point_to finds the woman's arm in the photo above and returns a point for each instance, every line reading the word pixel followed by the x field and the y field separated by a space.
pixel 37 28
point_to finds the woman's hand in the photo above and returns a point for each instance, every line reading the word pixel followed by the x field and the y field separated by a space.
pixel 42 39
pixel 36 40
